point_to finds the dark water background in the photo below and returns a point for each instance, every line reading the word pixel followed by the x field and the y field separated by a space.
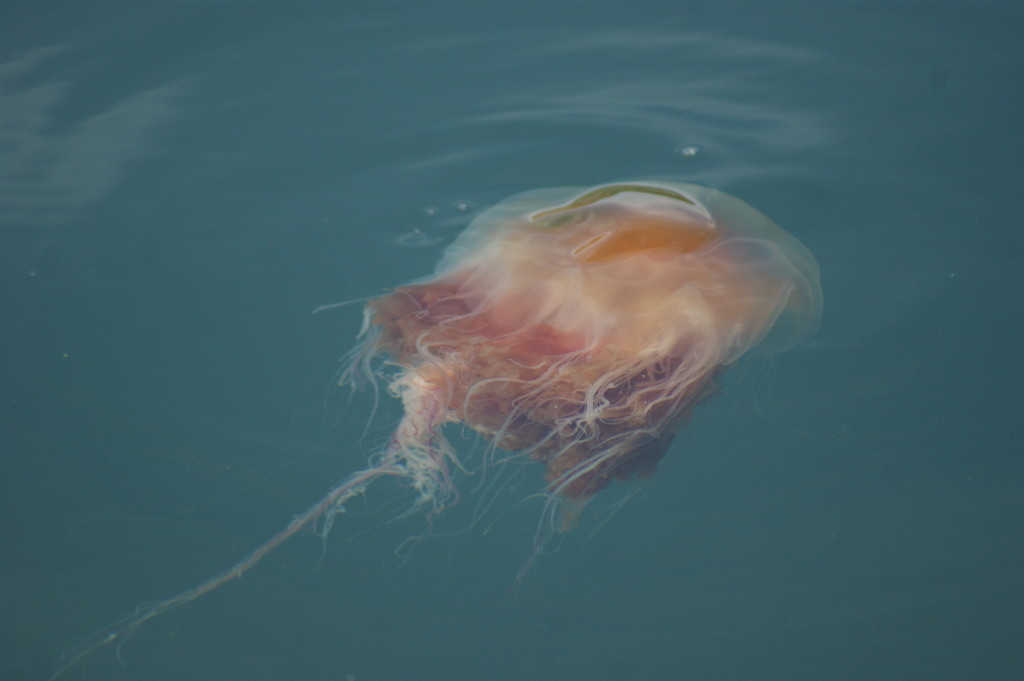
pixel 182 183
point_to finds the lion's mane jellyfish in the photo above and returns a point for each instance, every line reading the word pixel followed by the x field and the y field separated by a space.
pixel 578 326
pixel 583 326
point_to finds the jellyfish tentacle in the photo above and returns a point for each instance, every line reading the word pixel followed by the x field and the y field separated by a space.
pixel 326 509
pixel 418 446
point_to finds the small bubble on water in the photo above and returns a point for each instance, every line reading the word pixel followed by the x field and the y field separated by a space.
pixel 689 150
pixel 417 238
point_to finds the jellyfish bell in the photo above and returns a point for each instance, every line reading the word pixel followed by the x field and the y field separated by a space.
pixel 578 326
pixel 582 326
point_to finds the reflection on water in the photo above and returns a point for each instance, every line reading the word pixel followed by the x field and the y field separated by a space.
pixel 689 88
pixel 66 141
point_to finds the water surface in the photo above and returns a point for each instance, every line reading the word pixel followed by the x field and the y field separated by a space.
pixel 181 184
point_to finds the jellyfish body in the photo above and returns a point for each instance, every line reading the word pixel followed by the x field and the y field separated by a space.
pixel 583 326
pixel 579 326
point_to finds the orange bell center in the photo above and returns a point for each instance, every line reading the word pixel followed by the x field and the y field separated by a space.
pixel 644 234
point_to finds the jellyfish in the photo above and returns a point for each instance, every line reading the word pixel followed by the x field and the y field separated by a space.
pixel 576 327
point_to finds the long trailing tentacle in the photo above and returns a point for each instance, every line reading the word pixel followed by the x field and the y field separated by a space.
pixel 417 453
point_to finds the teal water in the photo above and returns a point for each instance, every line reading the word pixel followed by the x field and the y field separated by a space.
pixel 181 184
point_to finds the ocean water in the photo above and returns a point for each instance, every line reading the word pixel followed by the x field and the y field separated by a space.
pixel 182 184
